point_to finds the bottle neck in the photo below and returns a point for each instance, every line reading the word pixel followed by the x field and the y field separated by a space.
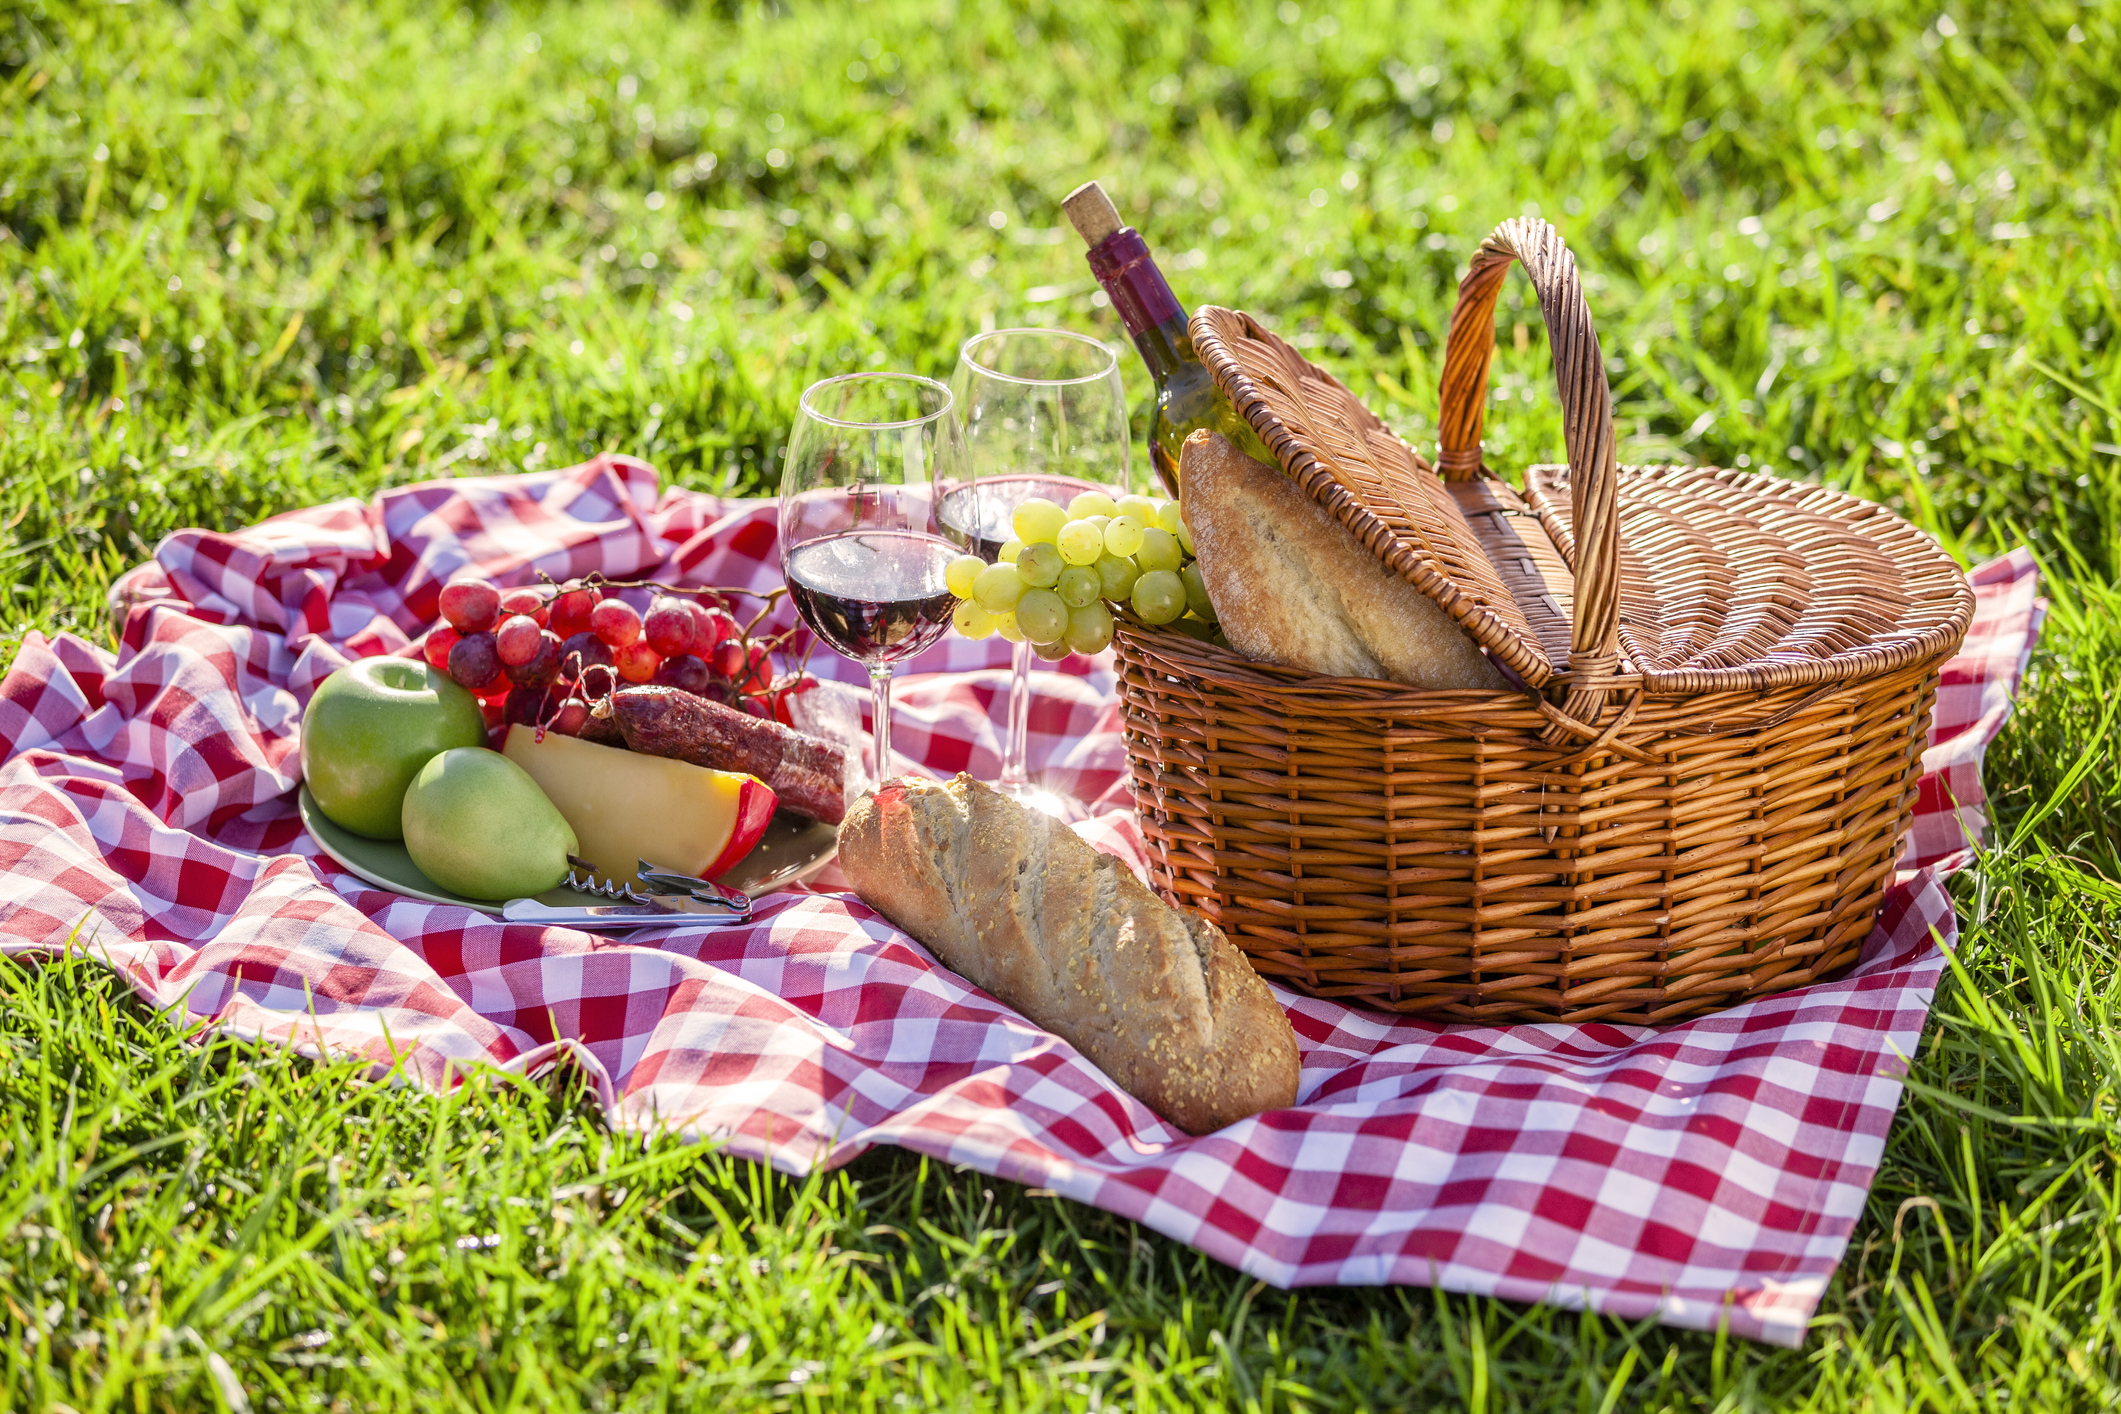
pixel 1155 320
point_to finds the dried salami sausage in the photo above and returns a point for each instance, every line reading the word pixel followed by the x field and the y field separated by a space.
pixel 807 773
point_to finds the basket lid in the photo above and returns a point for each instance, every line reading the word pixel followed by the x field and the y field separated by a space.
pixel 1735 581
pixel 1671 580
pixel 1348 461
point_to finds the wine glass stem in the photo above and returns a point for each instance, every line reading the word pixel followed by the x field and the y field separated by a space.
pixel 880 719
pixel 1017 738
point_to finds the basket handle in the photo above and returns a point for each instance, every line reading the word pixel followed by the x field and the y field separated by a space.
pixel 1587 420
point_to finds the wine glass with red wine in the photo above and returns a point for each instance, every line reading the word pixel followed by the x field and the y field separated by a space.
pixel 870 458
pixel 1045 416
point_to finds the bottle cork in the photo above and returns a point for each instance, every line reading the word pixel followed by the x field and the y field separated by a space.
pixel 1091 212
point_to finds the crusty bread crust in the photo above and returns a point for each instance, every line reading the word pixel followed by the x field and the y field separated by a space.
pixel 1291 585
pixel 1023 908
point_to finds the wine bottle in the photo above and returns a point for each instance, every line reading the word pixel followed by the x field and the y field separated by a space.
pixel 1186 395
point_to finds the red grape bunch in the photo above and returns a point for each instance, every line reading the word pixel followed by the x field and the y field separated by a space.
pixel 545 654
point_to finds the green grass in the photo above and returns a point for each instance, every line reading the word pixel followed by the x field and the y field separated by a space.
pixel 252 256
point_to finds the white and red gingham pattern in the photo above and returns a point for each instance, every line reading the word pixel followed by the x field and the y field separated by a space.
pixel 1705 1172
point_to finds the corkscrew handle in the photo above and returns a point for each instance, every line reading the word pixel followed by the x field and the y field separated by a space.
pixel 617 916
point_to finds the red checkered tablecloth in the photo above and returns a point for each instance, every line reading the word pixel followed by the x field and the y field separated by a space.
pixel 1704 1172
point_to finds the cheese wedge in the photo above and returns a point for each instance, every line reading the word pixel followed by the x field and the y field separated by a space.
pixel 625 807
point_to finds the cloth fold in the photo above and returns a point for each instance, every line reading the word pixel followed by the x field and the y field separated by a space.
pixel 1702 1173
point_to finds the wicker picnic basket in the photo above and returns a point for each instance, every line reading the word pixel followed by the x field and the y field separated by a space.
pixel 1697 798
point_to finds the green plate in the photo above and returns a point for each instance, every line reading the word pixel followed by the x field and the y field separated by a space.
pixel 792 850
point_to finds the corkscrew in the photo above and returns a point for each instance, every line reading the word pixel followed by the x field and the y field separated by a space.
pixel 660 884
pixel 633 908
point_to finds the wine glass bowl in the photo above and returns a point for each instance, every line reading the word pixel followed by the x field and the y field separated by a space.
pixel 870 459
pixel 876 596
pixel 1045 415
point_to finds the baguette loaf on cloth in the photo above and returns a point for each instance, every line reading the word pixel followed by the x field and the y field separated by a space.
pixel 1021 906
pixel 1292 585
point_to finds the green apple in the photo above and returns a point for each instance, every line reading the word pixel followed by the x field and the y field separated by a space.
pixel 477 824
pixel 370 728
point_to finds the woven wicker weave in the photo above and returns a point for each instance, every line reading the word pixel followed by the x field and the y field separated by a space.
pixel 1697 799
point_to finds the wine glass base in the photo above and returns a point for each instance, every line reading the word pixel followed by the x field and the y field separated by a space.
pixel 1065 809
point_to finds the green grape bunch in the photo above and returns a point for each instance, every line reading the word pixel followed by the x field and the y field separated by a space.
pixel 1054 581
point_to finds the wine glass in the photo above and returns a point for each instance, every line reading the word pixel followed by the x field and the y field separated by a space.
pixel 870 458
pixel 1045 415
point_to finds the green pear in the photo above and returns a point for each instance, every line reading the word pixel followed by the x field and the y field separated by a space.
pixel 477 824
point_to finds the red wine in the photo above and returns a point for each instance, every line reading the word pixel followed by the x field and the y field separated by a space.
pixel 977 517
pixel 1186 396
pixel 876 596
